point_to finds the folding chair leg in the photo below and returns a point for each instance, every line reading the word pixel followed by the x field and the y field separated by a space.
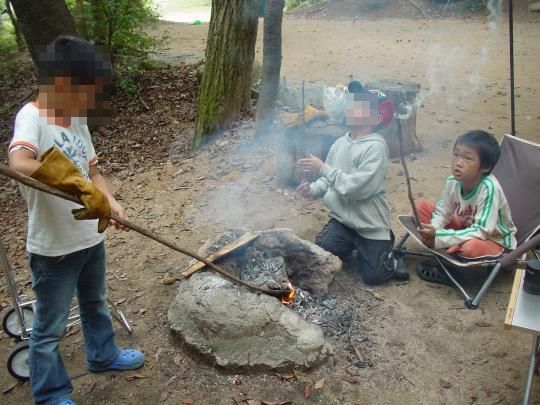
pixel 530 375
pixel 454 281
pixel 401 242
pixel 475 302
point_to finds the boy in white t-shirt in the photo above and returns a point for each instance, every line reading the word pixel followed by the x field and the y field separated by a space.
pixel 52 144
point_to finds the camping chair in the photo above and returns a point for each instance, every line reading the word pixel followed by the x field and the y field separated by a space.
pixel 518 172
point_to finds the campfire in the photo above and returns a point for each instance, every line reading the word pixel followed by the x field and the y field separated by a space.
pixel 289 298
pixel 242 327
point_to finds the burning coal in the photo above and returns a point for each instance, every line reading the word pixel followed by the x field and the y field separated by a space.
pixel 289 298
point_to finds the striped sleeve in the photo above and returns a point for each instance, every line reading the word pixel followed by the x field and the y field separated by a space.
pixel 26 134
pixel 443 209
pixel 485 221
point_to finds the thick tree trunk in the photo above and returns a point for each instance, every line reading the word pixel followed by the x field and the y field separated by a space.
pixel 230 50
pixel 273 17
pixel 42 21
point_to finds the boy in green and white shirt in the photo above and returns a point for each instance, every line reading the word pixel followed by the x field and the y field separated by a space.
pixel 472 218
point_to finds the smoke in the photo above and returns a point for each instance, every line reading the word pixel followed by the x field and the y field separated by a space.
pixel 495 13
pixel 443 74
pixel 242 188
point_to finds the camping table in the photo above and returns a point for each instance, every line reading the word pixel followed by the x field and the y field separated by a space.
pixel 523 314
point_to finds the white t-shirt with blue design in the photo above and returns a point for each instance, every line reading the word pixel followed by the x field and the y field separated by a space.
pixel 52 230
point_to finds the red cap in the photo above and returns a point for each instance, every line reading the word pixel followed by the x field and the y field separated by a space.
pixel 386 109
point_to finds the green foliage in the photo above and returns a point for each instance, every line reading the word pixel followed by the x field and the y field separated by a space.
pixel 290 4
pixel 8 46
pixel 476 5
pixel 118 26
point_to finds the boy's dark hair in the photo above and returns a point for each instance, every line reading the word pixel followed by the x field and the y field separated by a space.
pixel 485 145
pixel 69 56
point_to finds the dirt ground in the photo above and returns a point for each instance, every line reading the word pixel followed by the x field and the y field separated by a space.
pixel 425 347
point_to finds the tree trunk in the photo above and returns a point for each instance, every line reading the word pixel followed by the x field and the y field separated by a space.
pixel 42 21
pixel 230 50
pixel 273 17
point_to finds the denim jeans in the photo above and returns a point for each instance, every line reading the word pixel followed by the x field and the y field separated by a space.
pixel 54 280
pixel 340 240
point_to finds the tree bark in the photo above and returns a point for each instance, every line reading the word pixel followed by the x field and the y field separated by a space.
pixel 42 21
pixel 230 51
pixel 273 17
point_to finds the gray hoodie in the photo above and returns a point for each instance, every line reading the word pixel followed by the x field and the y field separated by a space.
pixel 352 185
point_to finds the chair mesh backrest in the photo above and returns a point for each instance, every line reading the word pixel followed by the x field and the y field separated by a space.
pixel 518 171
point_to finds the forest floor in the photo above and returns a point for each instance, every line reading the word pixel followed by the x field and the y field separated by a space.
pixel 425 347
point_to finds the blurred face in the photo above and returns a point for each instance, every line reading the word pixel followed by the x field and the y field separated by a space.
pixel 466 165
pixel 71 100
pixel 360 113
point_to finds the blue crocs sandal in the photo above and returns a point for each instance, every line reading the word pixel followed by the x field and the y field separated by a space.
pixel 67 402
pixel 128 359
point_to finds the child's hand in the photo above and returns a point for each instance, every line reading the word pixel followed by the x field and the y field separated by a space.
pixel 312 164
pixel 117 210
pixel 304 190
pixel 427 232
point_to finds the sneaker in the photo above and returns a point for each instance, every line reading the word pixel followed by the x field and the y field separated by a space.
pixel 67 402
pixel 401 270
pixel 128 359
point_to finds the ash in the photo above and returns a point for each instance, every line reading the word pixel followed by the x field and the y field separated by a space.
pixel 332 315
pixel 264 270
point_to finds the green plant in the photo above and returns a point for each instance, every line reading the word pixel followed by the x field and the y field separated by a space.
pixel 8 47
pixel 118 26
pixel 476 5
pixel 291 4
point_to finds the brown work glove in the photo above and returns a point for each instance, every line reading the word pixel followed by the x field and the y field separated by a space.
pixel 58 171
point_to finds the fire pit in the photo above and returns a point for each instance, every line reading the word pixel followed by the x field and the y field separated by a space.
pixel 239 328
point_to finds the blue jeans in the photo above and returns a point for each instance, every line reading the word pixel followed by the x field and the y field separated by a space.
pixel 54 280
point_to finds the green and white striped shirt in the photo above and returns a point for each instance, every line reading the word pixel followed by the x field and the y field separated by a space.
pixel 483 213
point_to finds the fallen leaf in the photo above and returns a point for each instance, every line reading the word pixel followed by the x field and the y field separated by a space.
pixel 350 379
pixel 308 391
pixel 178 360
pixel 286 377
pixel 168 280
pixel 377 296
pixel 319 384
pixel 444 383
pixel 163 397
pixel 120 301
pixel 253 402
pixel 188 401
pixel 482 324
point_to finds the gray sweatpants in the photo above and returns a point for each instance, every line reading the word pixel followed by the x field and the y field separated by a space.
pixel 341 241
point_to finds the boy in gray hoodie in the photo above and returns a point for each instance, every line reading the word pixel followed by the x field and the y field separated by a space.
pixel 352 187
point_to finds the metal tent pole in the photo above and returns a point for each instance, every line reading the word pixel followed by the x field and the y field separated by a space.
pixel 511 39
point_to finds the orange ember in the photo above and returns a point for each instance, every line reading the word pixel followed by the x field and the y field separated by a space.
pixel 287 299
